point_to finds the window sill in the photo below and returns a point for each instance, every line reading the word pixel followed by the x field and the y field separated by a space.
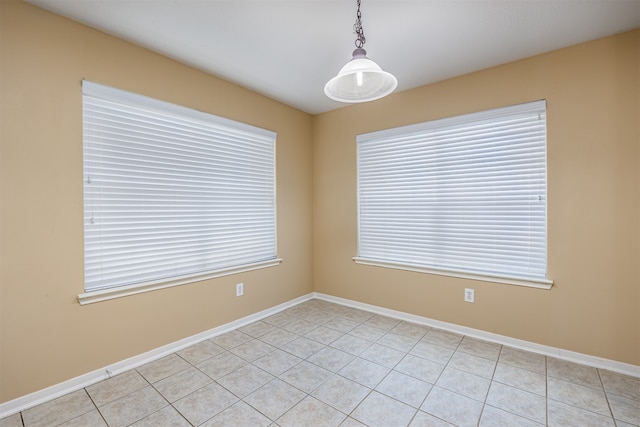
pixel 123 291
pixel 518 281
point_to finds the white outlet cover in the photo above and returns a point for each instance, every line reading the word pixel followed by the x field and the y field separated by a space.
pixel 469 295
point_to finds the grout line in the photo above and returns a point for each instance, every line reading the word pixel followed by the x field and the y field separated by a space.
pixel 546 390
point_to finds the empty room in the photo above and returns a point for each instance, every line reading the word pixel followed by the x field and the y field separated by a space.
pixel 319 213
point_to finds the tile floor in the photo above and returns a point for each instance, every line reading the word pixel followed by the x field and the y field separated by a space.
pixel 323 364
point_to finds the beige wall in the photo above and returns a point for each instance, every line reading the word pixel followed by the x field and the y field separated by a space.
pixel 46 337
pixel 592 93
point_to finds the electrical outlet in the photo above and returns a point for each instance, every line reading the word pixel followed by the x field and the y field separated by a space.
pixel 239 289
pixel 469 295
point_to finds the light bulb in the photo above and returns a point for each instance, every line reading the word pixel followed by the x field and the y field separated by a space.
pixel 359 78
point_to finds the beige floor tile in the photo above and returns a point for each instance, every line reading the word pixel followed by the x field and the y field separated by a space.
pixel 300 326
pixel 480 348
pixel 200 352
pixel 382 322
pixel 563 415
pixel 523 360
pixel 132 407
pixel 473 364
pixel 573 372
pixel 93 419
pixel 350 422
pixel 275 398
pixel 278 337
pixel 404 388
pixel 622 385
pixel 367 332
pixel 14 420
pixel 306 376
pixel 341 324
pixel 313 304
pixel 412 330
pixel 364 372
pixel 116 387
pixel 627 410
pixel 245 380
pixel 359 316
pixel 442 338
pixel 521 378
pixel 422 419
pixel 257 329
pixel 231 339
pixel 577 395
pixel 494 417
pixel 318 317
pixel 398 341
pixel 378 410
pixel 518 402
pixel 382 355
pixel 433 352
pixel 319 304
pixel 331 359
pixel 420 368
pixel 277 362
pixel 464 383
pixel 251 350
pixel 351 344
pixel 181 384
pixel 451 407
pixel 221 365
pixel 278 319
pixel 238 415
pixel 165 417
pixel 205 403
pixel 311 412
pixel 163 368
pixel 341 393
pixel 324 335
pixel 297 311
pixel 59 410
pixel 303 347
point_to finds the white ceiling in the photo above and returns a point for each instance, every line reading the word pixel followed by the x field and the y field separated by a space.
pixel 289 49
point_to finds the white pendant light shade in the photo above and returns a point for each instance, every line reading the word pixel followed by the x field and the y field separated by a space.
pixel 360 80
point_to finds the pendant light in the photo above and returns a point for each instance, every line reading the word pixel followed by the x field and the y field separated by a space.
pixel 361 79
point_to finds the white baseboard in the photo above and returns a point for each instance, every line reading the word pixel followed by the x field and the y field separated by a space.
pixel 25 402
pixel 41 396
pixel 584 359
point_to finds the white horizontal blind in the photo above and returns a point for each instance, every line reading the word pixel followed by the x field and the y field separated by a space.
pixel 466 194
pixel 170 191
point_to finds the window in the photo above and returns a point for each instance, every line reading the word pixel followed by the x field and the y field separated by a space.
pixel 463 196
pixel 171 195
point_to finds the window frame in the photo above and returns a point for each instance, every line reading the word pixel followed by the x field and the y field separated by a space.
pixel 410 131
pixel 266 139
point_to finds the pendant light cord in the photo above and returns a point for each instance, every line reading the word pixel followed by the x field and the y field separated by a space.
pixel 357 27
